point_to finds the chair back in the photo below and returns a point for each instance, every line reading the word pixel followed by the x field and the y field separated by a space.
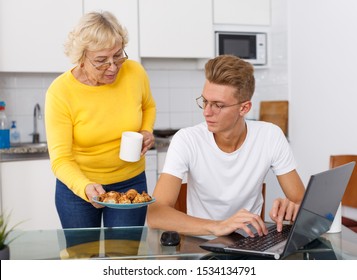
pixel 350 196
pixel 276 112
pixel 181 203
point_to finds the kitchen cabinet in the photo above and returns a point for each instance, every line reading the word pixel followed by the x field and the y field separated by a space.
pixel 126 11
pixel 176 28
pixel 151 170
pixel 32 34
pixel 28 193
pixel 241 12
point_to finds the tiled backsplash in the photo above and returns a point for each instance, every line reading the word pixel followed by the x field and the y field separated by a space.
pixel 21 92
pixel 175 92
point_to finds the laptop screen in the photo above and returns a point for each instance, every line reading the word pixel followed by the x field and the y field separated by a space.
pixel 317 210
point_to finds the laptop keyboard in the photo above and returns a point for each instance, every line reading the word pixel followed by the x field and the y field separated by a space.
pixel 262 243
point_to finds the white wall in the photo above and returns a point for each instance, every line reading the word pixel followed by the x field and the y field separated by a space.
pixel 322 81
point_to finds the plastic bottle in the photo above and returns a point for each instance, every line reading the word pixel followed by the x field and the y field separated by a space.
pixel 4 128
pixel 14 134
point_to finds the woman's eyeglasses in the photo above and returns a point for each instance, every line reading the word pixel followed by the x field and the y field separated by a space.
pixel 105 65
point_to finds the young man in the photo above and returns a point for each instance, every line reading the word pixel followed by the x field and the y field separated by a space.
pixel 226 160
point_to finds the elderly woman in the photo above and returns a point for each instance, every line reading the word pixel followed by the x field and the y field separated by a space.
pixel 87 109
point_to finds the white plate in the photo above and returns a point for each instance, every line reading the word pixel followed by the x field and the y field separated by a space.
pixel 122 205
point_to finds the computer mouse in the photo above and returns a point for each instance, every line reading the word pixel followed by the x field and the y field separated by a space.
pixel 170 238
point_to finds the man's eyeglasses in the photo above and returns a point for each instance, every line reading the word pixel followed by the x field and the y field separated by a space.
pixel 117 60
pixel 215 107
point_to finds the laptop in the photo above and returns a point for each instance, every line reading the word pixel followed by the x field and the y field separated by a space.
pixel 315 216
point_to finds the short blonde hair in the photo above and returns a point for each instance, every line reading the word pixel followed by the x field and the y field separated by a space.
pixel 232 71
pixel 95 31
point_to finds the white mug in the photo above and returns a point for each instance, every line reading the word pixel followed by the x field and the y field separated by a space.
pixel 130 147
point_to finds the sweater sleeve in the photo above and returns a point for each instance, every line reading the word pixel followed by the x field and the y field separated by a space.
pixel 148 106
pixel 59 138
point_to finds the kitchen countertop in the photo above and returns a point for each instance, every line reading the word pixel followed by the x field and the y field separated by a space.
pixel 24 151
pixel 163 138
pixel 162 144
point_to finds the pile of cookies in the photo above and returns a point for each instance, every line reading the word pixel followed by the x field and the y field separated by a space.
pixel 131 196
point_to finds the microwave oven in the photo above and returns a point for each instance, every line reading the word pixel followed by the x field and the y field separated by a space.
pixel 250 46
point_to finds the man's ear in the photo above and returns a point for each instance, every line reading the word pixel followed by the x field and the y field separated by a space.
pixel 245 108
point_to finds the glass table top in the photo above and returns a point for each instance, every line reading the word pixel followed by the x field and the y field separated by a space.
pixel 144 243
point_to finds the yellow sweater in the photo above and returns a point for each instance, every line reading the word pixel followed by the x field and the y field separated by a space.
pixel 84 125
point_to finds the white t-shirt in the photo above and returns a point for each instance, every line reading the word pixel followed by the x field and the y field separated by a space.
pixel 219 183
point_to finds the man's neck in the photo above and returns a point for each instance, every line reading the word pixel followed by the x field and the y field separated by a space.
pixel 230 141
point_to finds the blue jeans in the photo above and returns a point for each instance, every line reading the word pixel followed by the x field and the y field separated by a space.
pixel 74 212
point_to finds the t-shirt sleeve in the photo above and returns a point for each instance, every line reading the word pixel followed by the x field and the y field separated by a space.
pixel 178 156
pixel 283 160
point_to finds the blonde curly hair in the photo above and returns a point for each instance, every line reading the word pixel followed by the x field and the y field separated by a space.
pixel 95 31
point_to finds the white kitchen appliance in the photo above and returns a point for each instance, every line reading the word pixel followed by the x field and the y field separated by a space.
pixel 250 46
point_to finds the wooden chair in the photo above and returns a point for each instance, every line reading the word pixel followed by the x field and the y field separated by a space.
pixel 350 196
pixel 276 112
pixel 181 203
